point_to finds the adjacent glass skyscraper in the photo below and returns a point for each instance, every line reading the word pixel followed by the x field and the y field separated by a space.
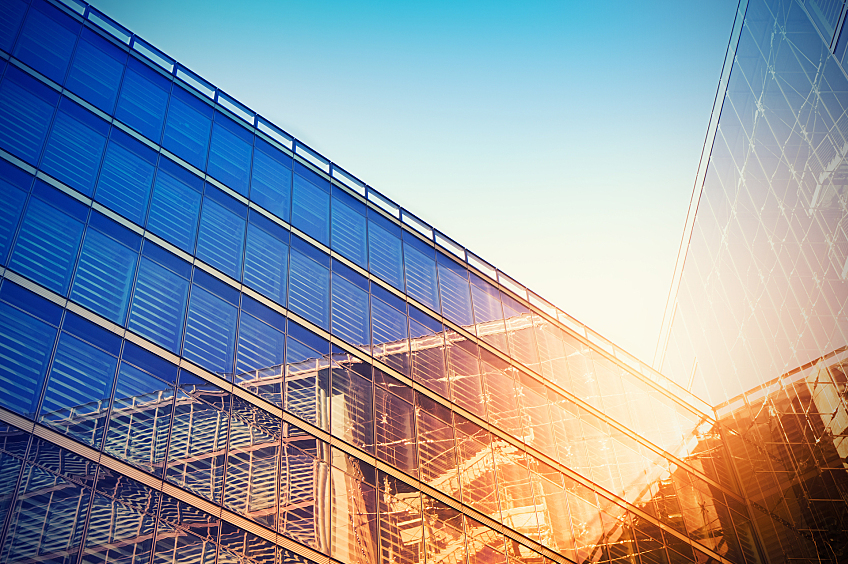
pixel 757 321
pixel 218 346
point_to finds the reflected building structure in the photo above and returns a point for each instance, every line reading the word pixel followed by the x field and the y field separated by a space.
pixel 218 346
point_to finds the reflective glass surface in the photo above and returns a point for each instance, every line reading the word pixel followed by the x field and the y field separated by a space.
pixel 230 356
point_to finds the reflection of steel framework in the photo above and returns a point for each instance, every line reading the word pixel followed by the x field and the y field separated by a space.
pixel 220 440
pixel 789 438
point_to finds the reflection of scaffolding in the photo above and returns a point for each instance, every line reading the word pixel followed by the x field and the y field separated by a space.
pixel 789 440
pixel 233 456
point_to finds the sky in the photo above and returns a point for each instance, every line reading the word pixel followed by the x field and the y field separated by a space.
pixel 559 141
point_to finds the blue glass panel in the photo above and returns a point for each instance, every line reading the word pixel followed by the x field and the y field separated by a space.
pixel 25 347
pixel 174 211
pixel 210 331
pixel 270 183
pixel 104 276
pixel 421 281
pixel 220 241
pixel 96 70
pixel 126 177
pixel 259 345
pixel 309 289
pixel 187 127
pixel 456 296
pixel 13 199
pixel 266 263
pixel 385 256
pixel 47 40
pixel 47 245
pixel 349 236
pixel 11 15
pixel 229 154
pixel 26 108
pixel 143 100
pixel 75 146
pixel 78 390
pixel 311 210
pixel 350 312
pixel 159 305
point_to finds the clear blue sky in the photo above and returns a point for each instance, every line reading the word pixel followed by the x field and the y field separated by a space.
pixel 557 140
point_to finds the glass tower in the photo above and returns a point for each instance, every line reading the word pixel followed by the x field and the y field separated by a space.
pixel 218 346
pixel 756 321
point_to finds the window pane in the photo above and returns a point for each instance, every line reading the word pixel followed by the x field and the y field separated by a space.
pixel 464 370
pixel 270 185
pixel 26 108
pixel 309 294
pixel 140 419
pixel 229 155
pixel 421 280
pixel 12 12
pixel 522 340
pixel 78 390
pixel 456 296
pixel 173 211
pixel 349 236
pixel 47 41
pixel 385 255
pixel 252 472
pixel 126 177
pixel 10 213
pixel 488 313
pixel 159 305
pixel 96 71
pixel 353 409
pixel 143 100
pixel 350 312
pixel 75 146
pixel 354 519
pixel 187 128
pixel 395 431
pixel 198 441
pixel 389 334
pixel 428 355
pixel 307 383
pixel 259 345
pixel 25 347
pixel 47 246
pixel 104 276
pixel 210 331
pixel 220 240
pixel 266 263
pixel 311 210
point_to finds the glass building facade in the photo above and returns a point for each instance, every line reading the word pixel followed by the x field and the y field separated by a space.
pixel 756 321
pixel 218 346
